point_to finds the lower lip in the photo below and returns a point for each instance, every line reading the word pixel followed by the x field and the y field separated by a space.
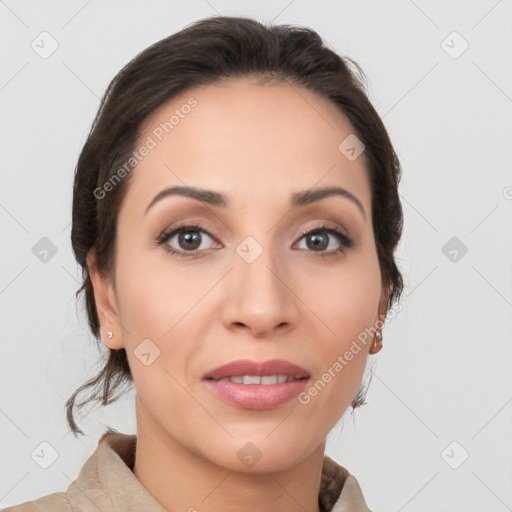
pixel 257 396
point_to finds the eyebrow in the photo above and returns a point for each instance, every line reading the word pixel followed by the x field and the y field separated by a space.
pixel 218 200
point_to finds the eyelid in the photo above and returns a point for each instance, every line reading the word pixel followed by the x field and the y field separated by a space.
pixel 326 224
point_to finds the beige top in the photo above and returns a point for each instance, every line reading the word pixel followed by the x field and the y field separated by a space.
pixel 106 483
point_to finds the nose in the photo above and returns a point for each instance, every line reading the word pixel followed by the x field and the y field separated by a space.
pixel 259 297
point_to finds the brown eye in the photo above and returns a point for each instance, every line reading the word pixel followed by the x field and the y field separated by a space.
pixel 189 240
pixel 319 239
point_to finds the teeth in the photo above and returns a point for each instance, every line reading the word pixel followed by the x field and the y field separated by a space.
pixel 250 379
pixel 256 379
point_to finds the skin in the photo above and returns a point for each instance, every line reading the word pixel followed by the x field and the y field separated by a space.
pixel 257 144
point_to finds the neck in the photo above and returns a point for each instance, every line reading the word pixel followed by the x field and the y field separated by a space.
pixel 180 480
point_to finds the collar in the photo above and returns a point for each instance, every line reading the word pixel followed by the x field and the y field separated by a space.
pixel 107 481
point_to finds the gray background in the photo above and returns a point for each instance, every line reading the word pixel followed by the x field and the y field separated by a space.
pixel 444 374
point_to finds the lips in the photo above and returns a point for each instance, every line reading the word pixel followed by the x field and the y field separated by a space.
pixel 246 368
pixel 257 385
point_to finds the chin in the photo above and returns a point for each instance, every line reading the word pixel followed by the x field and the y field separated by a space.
pixel 261 455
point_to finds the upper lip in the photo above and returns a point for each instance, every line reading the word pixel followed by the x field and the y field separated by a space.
pixel 248 367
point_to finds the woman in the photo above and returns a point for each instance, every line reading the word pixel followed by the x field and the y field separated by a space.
pixel 235 213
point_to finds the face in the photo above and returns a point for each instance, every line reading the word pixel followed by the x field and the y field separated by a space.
pixel 244 282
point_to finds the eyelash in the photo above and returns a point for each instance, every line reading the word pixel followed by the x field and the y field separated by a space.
pixel 345 241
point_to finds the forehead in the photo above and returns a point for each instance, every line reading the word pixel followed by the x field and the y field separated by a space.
pixel 248 140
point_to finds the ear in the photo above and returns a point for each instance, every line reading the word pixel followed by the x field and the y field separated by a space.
pixel 381 312
pixel 383 304
pixel 106 304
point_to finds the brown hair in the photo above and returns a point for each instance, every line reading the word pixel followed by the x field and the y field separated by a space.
pixel 206 52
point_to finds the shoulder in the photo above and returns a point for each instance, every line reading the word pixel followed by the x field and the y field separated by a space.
pixel 105 476
pixel 55 502
pixel 339 489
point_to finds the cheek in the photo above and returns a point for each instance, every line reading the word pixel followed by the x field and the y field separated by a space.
pixel 342 351
pixel 159 303
pixel 347 305
pixel 155 319
pixel 346 299
pixel 154 296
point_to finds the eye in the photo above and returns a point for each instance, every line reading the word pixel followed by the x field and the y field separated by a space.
pixel 318 239
pixel 188 239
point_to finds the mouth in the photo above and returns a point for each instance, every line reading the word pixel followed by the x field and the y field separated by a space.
pixel 245 371
pixel 257 385
pixel 257 379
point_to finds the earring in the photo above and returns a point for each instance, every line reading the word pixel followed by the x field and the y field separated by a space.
pixel 378 339
pixel 110 334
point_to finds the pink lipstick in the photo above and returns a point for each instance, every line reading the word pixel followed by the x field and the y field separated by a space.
pixel 257 385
